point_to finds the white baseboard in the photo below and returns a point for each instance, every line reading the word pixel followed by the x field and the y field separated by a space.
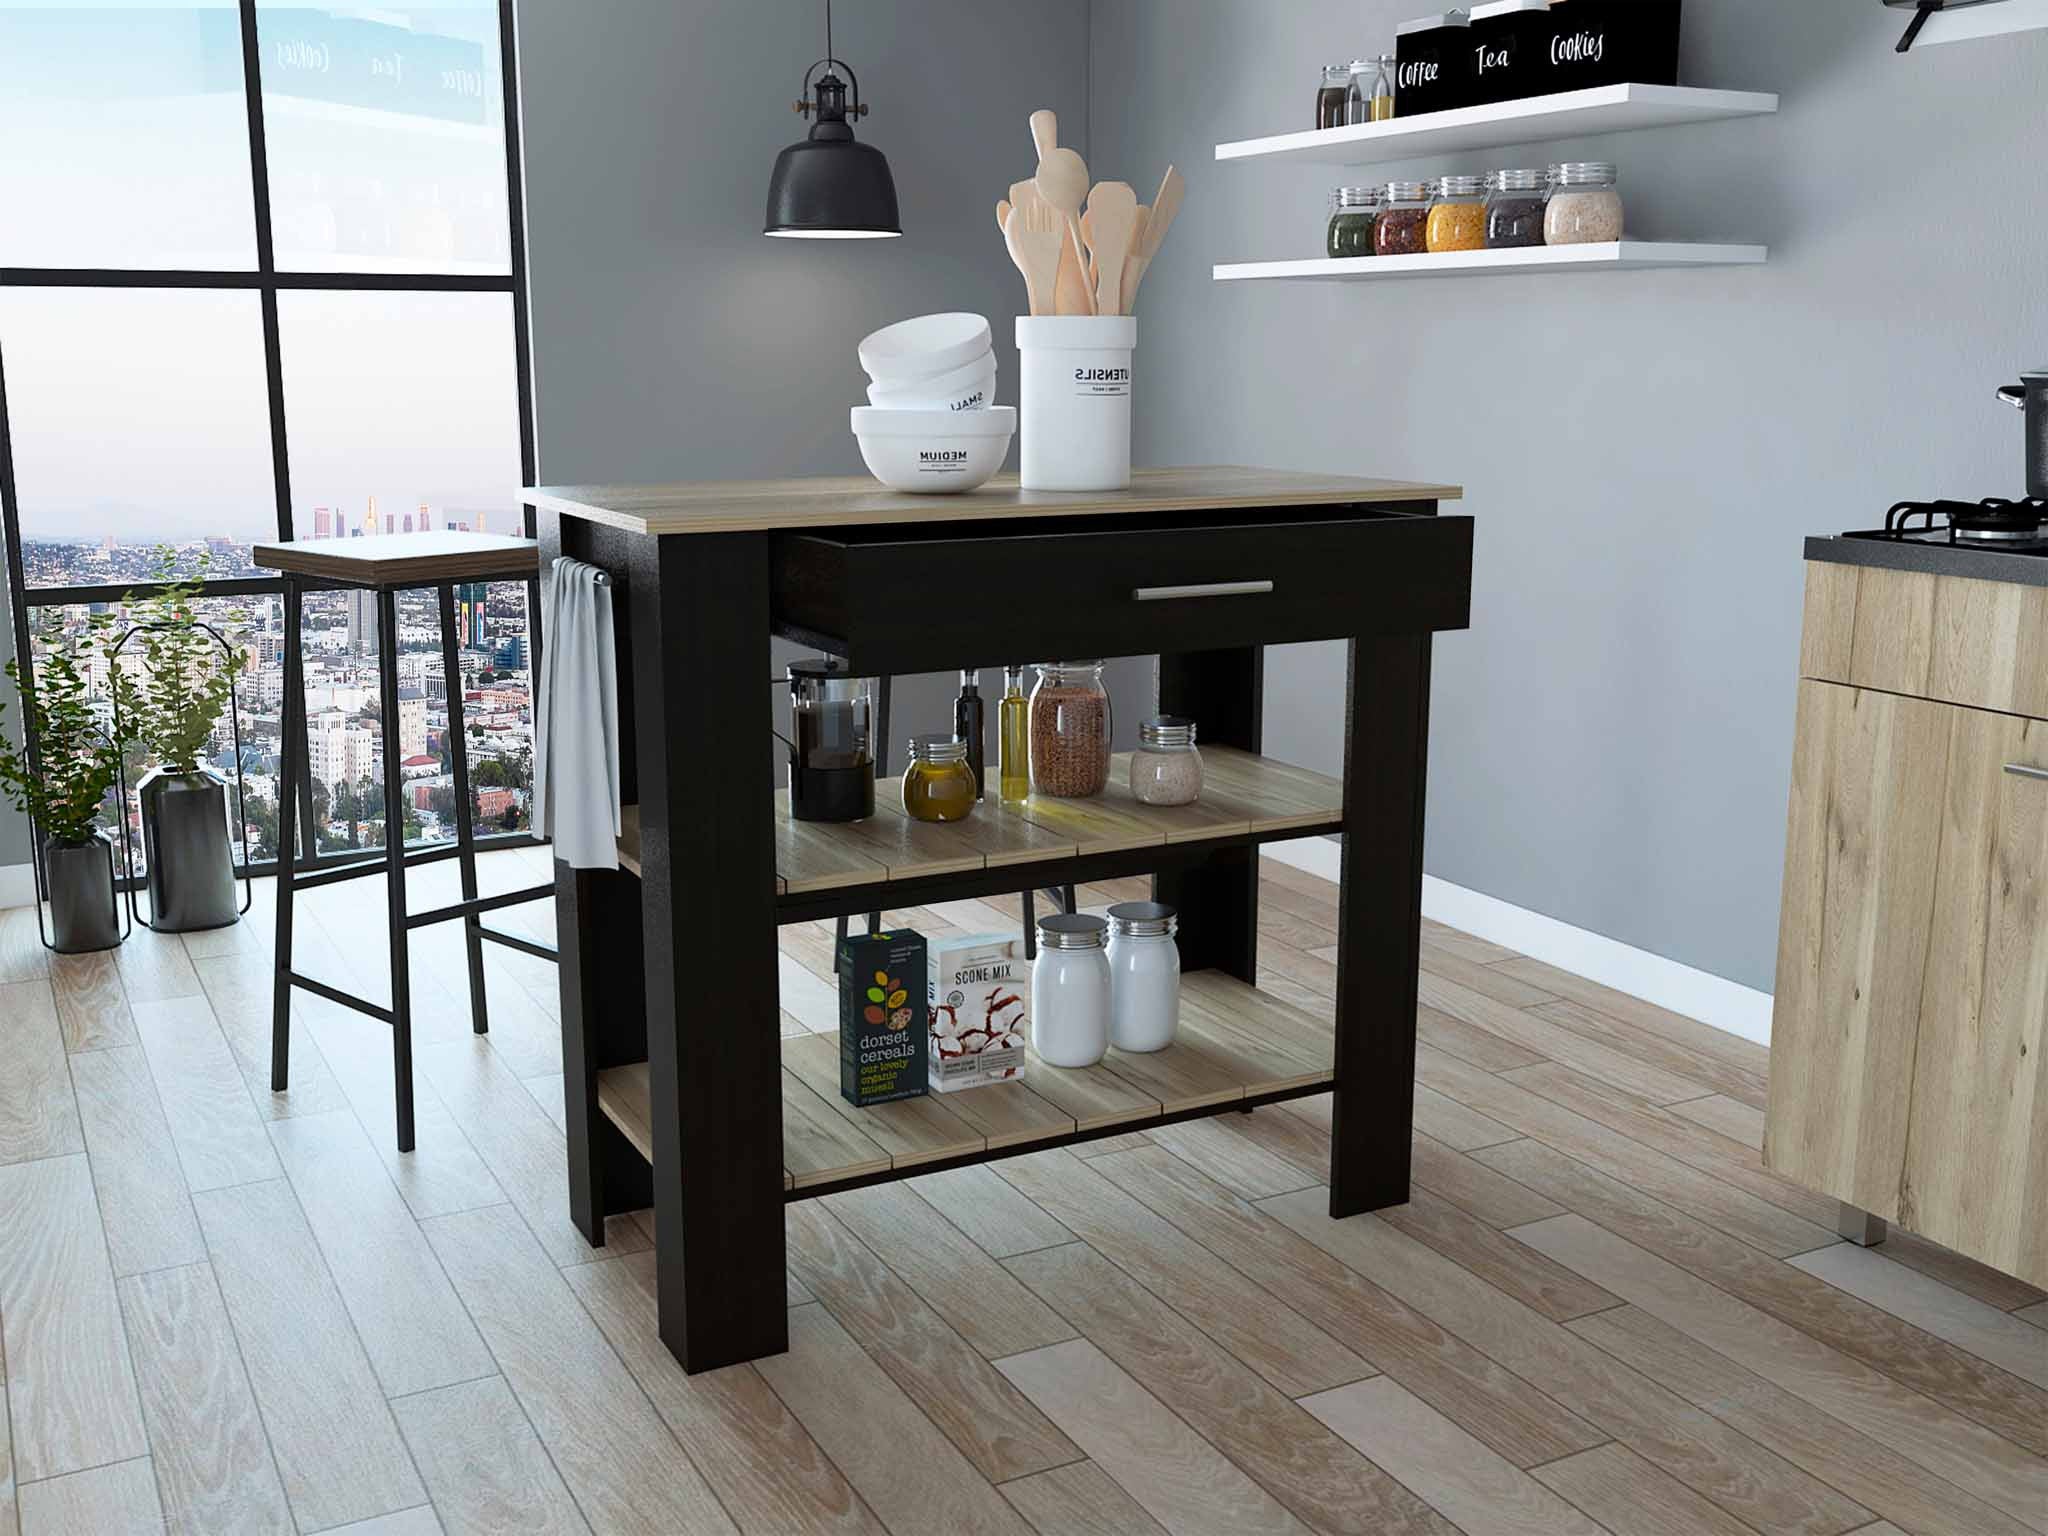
pixel 1668 983
pixel 17 885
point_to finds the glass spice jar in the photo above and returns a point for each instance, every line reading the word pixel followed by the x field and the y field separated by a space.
pixel 1070 727
pixel 1380 107
pixel 1585 205
pixel 1358 93
pixel 1352 210
pixel 1457 218
pixel 1514 210
pixel 1402 226
pixel 1333 95
pixel 1167 767
pixel 938 785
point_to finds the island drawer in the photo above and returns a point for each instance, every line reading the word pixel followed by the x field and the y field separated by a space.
pixel 909 598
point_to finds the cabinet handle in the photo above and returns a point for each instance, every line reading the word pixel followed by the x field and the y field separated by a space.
pixel 2026 771
pixel 1202 589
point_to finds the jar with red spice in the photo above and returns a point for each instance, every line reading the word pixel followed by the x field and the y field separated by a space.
pixel 1402 228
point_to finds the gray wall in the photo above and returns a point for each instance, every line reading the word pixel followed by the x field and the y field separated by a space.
pixel 1643 452
pixel 671 340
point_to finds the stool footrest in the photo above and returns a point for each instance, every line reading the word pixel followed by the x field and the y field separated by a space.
pixel 476 905
pixel 514 941
pixel 336 995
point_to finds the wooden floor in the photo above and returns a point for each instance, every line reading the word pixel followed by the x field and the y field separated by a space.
pixel 224 1310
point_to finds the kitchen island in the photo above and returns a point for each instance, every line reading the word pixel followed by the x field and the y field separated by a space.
pixel 680 1091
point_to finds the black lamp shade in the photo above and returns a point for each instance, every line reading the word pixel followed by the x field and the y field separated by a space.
pixel 832 188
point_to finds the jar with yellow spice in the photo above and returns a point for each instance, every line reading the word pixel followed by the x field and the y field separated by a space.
pixel 938 785
pixel 1457 219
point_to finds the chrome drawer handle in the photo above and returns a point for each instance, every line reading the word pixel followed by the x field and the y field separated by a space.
pixel 2025 771
pixel 1202 589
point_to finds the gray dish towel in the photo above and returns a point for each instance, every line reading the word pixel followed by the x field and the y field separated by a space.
pixel 576 725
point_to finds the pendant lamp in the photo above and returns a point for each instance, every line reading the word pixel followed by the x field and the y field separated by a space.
pixel 829 187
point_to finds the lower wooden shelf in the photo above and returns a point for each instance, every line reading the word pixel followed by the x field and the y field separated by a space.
pixel 1236 1043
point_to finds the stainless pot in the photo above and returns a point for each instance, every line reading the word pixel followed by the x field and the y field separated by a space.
pixel 2031 395
pixel 83 916
pixel 185 841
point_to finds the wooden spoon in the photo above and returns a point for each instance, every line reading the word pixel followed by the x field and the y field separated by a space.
pixel 1062 181
pixel 1045 131
pixel 1113 211
pixel 1135 263
pixel 1033 236
pixel 1002 213
pixel 1072 292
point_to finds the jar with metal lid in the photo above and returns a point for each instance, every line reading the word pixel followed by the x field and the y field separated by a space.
pixel 1070 990
pixel 1070 727
pixel 1144 976
pixel 1352 210
pixel 1457 217
pixel 1167 767
pixel 1332 96
pixel 1585 204
pixel 938 785
pixel 1402 227
pixel 1514 210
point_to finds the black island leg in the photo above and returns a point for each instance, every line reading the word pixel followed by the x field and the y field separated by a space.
pixel 1218 902
pixel 1379 921
pixel 703 713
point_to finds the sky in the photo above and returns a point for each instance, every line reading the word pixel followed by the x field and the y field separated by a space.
pixel 123 143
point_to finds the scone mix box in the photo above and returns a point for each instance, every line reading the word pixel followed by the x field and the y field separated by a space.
pixel 881 1017
pixel 979 989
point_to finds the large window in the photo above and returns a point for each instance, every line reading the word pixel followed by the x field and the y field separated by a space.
pixel 260 278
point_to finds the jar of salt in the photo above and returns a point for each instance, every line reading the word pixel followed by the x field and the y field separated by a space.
pixel 1167 768
pixel 1585 207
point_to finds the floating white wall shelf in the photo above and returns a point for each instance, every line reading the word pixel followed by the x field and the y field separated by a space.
pixel 1978 21
pixel 1568 114
pixel 1613 256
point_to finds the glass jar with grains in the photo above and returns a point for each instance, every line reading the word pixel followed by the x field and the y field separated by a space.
pixel 1514 210
pixel 1585 206
pixel 1167 767
pixel 1351 214
pixel 1070 726
pixel 1402 227
pixel 938 785
pixel 1457 219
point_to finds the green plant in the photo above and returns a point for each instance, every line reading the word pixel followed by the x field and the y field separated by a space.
pixel 188 679
pixel 78 760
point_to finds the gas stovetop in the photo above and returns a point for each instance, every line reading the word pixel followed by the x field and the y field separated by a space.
pixel 1995 524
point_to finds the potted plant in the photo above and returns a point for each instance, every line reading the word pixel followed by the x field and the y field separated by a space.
pixel 170 705
pixel 62 792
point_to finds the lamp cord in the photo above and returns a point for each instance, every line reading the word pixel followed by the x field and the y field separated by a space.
pixel 828 28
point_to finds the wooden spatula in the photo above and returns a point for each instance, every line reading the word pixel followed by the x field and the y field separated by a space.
pixel 1113 211
pixel 1033 235
pixel 1002 214
pixel 1137 261
pixel 1062 181
pixel 1165 205
pixel 1045 131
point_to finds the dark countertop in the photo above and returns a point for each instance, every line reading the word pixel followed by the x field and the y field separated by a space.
pixel 1934 559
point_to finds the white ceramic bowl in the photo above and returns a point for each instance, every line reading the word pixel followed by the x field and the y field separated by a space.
pixel 972 388
pixel 934 452
pixel 923 346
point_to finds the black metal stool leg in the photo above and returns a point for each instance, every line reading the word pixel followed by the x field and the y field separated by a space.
pixel 465 829
pixel 394 866
pixel 838 938
pixel 291 748
pixel 1030 925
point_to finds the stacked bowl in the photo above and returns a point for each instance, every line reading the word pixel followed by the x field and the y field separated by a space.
pixel 929 425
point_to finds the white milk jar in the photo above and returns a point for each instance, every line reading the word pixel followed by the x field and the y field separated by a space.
pixel 1144 976
pixel 1070 990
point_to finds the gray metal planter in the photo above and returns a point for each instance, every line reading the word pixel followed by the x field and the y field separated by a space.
pixel 83 916
pixel 185 844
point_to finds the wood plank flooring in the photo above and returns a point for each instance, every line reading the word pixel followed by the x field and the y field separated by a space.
pixel 224 1310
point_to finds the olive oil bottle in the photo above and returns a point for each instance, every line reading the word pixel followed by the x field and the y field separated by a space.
pixel 1013 737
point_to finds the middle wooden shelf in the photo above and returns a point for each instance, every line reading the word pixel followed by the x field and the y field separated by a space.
pixel 1245 797
pixel 1236 1045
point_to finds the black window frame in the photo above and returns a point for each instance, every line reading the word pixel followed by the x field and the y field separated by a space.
pixel 267 282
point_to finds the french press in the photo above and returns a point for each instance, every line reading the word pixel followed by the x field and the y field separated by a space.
pixel 831 742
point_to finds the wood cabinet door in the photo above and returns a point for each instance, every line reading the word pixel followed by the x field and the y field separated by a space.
pixel 1977 1147
pixel 1860 860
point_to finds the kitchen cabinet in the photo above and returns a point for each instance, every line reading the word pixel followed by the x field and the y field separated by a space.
pixel 1912 989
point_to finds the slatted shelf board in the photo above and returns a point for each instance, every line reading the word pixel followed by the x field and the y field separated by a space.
pixel 1235 1043
pixel 1243 795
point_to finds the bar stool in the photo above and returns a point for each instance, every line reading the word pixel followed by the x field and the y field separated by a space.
pixel 385 565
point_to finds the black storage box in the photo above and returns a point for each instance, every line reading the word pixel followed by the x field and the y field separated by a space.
pixel 1510 46
pixel 1433 64
pixel 882 1016
pixel 1610 42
